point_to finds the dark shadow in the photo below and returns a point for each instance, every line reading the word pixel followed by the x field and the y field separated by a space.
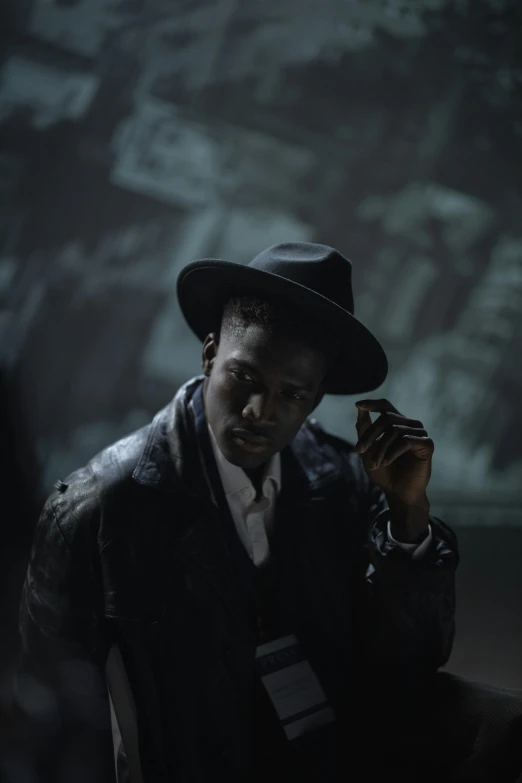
pixel 21 502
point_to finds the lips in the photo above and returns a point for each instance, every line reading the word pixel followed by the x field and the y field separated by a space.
pixel 250 437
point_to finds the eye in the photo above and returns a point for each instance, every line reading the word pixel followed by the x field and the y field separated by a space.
pixel 245 377
pixel 295 396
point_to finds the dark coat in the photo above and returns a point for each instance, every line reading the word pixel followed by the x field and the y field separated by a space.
pixel 129 551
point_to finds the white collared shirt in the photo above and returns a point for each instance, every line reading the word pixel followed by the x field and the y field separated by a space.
pixel 253 520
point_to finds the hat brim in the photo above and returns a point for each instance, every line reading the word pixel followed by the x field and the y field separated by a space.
pixel 204 286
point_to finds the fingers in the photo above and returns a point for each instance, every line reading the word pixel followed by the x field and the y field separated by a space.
pixel 376 406
pixel 388 421
pixel 422 447
pixel 390 435
pixel 376 454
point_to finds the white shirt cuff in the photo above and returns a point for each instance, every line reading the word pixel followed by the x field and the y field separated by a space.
pixel 417 550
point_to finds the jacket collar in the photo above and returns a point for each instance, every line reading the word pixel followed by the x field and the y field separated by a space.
pixel 170 459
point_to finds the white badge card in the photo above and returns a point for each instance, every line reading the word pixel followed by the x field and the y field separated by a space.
pixel 293 687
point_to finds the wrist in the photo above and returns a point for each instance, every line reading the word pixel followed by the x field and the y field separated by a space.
pixel 409 523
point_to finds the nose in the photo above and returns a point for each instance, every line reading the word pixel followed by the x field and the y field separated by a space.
pixel 261 408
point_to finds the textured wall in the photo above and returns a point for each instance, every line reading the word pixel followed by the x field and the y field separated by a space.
pixel 137 137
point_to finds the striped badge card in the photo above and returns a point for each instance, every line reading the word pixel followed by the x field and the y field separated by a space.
pixel 292 686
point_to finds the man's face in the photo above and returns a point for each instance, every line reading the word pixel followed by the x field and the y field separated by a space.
pixel 262 383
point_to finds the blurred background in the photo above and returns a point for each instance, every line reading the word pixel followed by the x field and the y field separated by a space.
pixel 138 136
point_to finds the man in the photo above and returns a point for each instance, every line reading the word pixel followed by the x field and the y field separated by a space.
pixel 264 599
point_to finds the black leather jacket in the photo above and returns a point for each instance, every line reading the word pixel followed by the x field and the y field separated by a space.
pixel 128 551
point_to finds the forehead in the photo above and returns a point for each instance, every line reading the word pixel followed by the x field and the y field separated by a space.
pixel 272 353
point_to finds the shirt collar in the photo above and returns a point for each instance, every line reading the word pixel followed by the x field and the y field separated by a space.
pixel 234 479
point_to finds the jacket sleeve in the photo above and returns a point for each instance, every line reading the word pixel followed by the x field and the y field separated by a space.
pixel 60 690
pixel 410 623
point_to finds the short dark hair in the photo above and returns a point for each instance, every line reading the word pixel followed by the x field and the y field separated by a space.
pixel 289 321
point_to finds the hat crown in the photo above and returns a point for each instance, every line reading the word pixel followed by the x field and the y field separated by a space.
pixel 318 267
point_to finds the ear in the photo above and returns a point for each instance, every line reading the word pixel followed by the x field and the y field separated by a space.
pixel 209 352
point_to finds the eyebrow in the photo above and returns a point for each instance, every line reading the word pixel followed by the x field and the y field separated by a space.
pixel 289 384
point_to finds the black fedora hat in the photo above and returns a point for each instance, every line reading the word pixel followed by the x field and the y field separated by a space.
pixel 315 278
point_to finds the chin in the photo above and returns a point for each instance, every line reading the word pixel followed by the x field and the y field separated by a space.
pixel 249 461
